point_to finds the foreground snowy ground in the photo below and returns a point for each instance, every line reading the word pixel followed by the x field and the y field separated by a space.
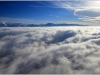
pixel 50 50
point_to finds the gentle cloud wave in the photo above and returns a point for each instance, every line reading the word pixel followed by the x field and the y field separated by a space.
pixel 50 50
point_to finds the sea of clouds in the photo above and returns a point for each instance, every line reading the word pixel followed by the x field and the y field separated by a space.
pixel 50 50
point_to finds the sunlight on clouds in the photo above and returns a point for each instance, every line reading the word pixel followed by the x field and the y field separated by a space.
pixel 50 50
pixel 92 19
pixel 83 9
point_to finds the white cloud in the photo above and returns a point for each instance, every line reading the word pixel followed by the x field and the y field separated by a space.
pixel 92 19
pixel 60 50
pixel 82 8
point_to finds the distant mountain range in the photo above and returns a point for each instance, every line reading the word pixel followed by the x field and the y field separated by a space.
pixel 36 25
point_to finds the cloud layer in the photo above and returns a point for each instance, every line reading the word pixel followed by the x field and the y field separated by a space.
pixel 50 50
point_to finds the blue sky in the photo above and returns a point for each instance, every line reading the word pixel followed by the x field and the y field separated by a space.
pixel 38 12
